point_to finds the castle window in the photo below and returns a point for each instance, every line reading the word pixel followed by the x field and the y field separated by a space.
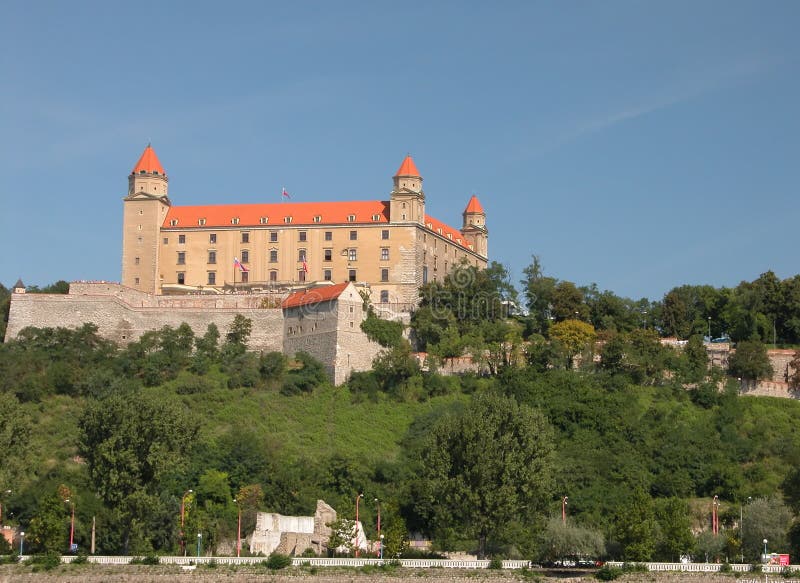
pixel 136 280
pixel 142 171
pixel 404 216
pixel 404 205
pixel 181 278
pixel 439 230
pixel 201 222
pixel 136 261
pixel 329 235
pixel 155 172
pixel 352 254
pixel 173 223
pixel 351 218
pixel 273 275
pixel 245 256
pixel 181 258
pixel 318 219
pixel 424 274
pixel 353 235
pixel 328 254
pixel 273 255
pixel 384 296
pixel 141 212
pixel 384 254
pixel 287 219
pixel 450 236
pixel 385 234
pixel 376 217
pixel 235 221
pixel 212 256
pixel 327 275
pixel 384 275
pixel 302 236
pixel 139 240
pixel 139 227
pixel 273 236
pixel 166 240
pixel 301 254
pixel 264 220
pixel 212 278
pixel 181 239
pixel 301 275
pixel 245 277
pixel 351 275
pixel 245 237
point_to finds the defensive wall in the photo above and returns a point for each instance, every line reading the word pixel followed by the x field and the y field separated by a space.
pixel 123 314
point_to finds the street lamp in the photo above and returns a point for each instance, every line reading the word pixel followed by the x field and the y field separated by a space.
pixel 199 543
pixel 380 536
pixel 71 526
pixel 709 328
pixel 1 505
pixel 765 550
pixel 715 515
pixel 564 509
pixel 21 538
pixel 741 528
pixel 358 499
pixel 183 513
pixel 238 530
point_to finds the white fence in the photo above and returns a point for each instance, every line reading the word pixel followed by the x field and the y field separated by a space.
pixel 412 563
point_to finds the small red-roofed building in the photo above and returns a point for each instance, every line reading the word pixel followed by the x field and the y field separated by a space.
pixel 325 321
pixel 390 247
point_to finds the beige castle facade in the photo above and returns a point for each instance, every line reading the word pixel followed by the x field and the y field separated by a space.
pixel 392 245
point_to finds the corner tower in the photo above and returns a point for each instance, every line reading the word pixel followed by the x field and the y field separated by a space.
pixel 474 227
pixel 144 210
pixel 407 204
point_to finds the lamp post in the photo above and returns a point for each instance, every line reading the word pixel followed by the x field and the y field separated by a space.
pixel 71 525
pixel 380 536
pixel 564 510
pixel 765 550
pixel 199 543
pixel 1 505
pixel 21 539
pixel 741 528
pixel 715 515
pixel 709 328
pixel 358 499
pixel 183 513
pixel 238 529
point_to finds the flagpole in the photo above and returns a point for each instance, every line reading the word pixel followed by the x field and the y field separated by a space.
pixel 234 277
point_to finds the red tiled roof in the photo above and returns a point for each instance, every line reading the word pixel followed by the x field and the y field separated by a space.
pixel 442 229
pixel 408 168
pixel 148 162
pixel 302 213
pixel 314 295
pixel 474 205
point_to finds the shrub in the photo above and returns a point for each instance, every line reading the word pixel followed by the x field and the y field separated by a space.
pixel 725 568
pixel 496 563
pixel 278 561
pixel 49 560
pixel 80 559
pixel 634 568
pixel 608 573
pixel 755 568
pixel 789 573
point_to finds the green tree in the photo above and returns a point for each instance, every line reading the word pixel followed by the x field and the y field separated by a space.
pixel 538 290
pixel 675 529
pixel 49 527
pixel 15 431
pixel 570 541
pixel 635 527
pixel 485 468
pixel 568 302
pixel 696 358
pixel 574 337
pixel 130 444
pixel 765 518
pixel 750 361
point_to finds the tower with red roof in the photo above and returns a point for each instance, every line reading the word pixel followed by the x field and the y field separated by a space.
pixel 407 203
pixel 144 210
pixel 474 226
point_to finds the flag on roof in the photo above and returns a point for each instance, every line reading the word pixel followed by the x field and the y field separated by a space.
pixel 238 264
pixel 305 267
pixel 284 194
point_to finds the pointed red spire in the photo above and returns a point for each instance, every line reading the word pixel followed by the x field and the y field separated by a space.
pixel 474 206
pixel 149 162
pixel 408 168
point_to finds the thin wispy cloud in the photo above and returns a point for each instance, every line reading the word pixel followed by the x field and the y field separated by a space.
pixel 680 91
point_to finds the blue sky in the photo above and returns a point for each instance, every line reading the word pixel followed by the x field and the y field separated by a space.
pixel 638 145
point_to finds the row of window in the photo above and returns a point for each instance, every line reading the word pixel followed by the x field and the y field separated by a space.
pixel 352 255
pixel 273 237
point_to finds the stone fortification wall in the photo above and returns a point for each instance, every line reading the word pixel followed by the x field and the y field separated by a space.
pixel 781 364
pixel 292 535
pixel 123 314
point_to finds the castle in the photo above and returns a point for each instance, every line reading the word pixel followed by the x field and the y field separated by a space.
pixel 275 264
pixel 391 246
